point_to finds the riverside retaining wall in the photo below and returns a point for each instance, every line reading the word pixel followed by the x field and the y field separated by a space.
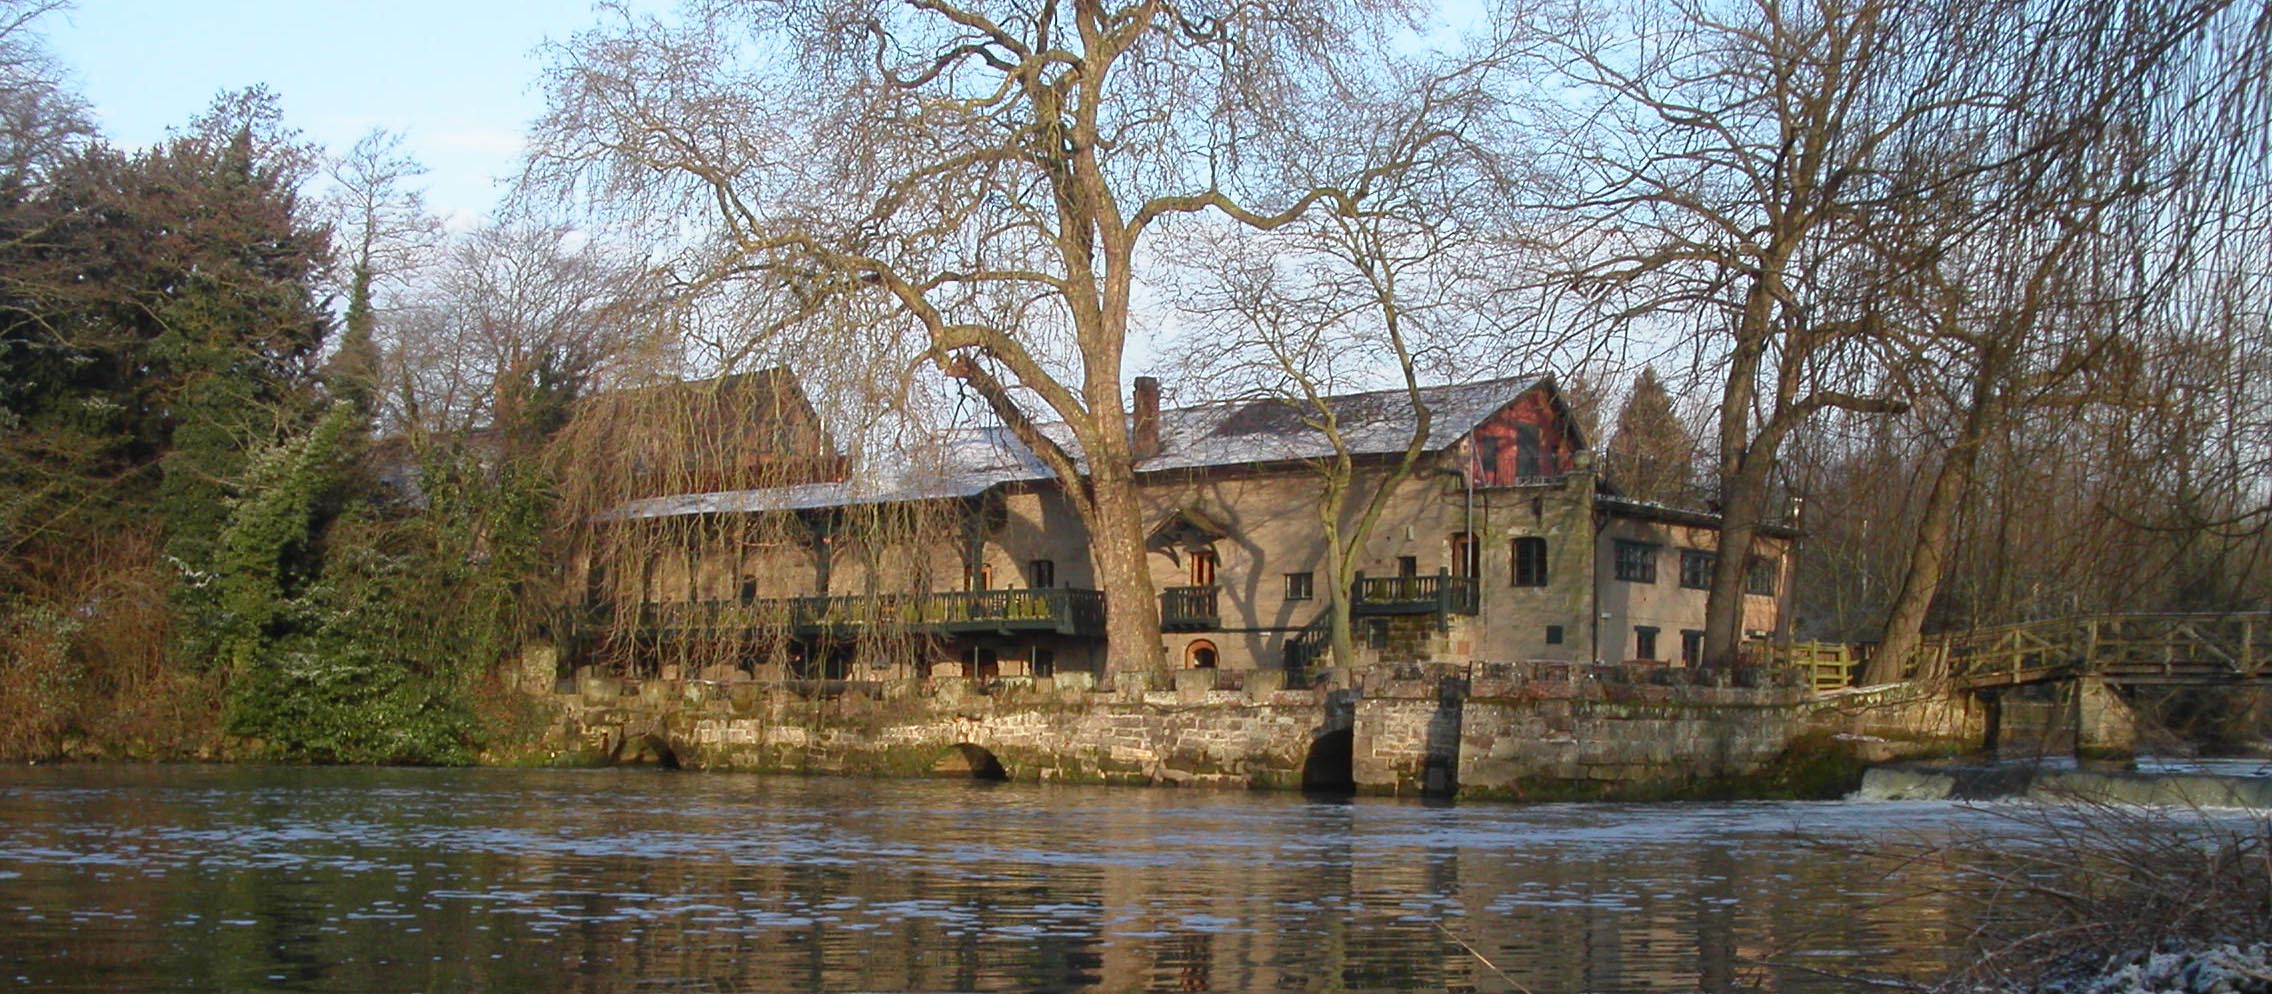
pixel 1518 730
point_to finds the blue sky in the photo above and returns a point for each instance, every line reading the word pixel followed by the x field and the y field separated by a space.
pixel 457 79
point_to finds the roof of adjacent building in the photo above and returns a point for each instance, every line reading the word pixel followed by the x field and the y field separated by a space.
pixel 969 461
pixel 1651 511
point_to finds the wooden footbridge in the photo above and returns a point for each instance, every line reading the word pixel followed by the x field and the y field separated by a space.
pixel 2123 649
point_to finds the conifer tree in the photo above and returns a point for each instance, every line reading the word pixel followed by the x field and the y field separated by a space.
pixel 1652 455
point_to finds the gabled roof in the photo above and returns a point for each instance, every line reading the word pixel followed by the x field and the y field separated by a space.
pixel 969 461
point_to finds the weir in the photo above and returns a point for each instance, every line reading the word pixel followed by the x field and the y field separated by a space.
pixel 1535 730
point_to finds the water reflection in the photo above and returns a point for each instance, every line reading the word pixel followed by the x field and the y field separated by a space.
pixel 138 878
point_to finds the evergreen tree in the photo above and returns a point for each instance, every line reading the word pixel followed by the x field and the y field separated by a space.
pixel 1652 455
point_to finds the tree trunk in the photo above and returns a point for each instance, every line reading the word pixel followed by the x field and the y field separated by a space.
pixel 1743 500
pixel 1745 458
pixel 1124 572
pixel 1928 556
pixel 1339 574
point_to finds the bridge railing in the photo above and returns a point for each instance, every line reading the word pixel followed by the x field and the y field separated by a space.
pixel 2130 648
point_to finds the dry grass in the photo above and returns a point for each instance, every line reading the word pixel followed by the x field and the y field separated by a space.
pixel 2070 891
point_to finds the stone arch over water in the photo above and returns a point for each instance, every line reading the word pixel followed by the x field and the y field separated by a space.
pixel 971 761
pixel 1331 765
pixel 646 750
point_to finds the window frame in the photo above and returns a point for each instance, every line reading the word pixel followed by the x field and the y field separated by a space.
pixel 1645 642
pixel 1758 567
pixel 1634 562
pixel 1204 567
pixel 1515 573
pixel 1301 586
pixel 1041 574
pixel 1697 565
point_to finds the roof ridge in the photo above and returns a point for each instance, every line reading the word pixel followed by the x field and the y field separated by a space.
pixel 1463 384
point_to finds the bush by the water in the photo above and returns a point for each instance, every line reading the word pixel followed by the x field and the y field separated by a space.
pixel 2100 899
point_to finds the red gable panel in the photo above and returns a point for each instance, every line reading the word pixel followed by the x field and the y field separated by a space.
pixel 1525 442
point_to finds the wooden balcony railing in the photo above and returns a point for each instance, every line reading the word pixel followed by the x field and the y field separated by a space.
pixel 1190 608
pixel 1060 610
pixel 1442 593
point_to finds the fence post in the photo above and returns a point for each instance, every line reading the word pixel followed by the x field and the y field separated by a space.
pixel 2247 646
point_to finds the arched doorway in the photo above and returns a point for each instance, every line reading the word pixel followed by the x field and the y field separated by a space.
pixel 1201 655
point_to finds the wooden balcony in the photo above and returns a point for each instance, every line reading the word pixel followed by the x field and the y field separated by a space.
pixel 1442 593
pixel 1060 611
pixel 1190 609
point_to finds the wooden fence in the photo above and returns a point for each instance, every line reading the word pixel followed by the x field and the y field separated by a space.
pixel 2166 649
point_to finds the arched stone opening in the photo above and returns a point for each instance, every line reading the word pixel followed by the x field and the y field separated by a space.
pixel 969 761
pixel 646 750
pixel 1331 766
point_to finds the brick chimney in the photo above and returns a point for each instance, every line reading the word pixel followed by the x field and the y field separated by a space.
pixel 1144 441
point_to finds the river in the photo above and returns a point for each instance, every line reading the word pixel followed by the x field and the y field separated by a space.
pixel 134 878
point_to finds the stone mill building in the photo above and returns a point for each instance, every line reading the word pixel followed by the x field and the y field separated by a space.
pixel 768 556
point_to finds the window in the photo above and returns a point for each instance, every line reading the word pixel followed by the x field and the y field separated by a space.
pixel 1490 449
pixel 749 589
pixel 1408 566
pixel 1300 586
pixel 1696 569
pixel 1554 635
pixel 980 577
pixel 1644 642
pixel 1691 647
pixel 1041 574
pixel 1530 562
pixel 1759 577
pixel 1045 662
pixel 1376 632
pixel 1202 567
pixel 1201 655
pixel 1467 556
pixel 1636 562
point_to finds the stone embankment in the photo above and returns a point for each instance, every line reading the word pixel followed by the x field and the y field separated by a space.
pixel 1509 731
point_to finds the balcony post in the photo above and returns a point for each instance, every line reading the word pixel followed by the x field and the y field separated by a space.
pixel 1443 599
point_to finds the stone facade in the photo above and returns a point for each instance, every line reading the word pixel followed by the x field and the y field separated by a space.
pixel 1239 531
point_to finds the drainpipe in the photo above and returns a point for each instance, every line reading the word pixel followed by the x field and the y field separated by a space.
pixel 1599 521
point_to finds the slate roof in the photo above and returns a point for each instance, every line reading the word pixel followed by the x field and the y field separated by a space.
pixel 969 461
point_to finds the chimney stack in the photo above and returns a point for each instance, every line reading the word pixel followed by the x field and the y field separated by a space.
pixel 1144 442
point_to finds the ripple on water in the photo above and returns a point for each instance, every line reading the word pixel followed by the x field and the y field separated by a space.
pixel 619 880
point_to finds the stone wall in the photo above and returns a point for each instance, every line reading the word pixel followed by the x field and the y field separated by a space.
pixel 1052 729
pixel 1507 731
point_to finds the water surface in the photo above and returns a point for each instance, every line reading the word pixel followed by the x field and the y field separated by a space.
pixel 124 878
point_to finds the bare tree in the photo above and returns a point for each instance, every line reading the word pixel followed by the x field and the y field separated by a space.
pixel 385 231
pixel 41 119
pixel 1395 289
pixel 514 324
pixel 969 183
pixel 1716 176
